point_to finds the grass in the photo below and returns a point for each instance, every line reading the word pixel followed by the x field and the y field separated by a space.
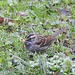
pixel 38 19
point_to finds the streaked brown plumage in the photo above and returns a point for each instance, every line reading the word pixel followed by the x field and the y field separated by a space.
pixel 37 42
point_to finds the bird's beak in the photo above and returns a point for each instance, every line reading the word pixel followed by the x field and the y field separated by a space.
pixel 26 39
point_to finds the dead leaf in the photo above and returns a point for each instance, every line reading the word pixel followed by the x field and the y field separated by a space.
pixel 21 13
pixel 64 12
pixel 1 20
pixel 6 20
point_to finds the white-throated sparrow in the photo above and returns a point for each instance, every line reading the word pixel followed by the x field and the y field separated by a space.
pixel 37 42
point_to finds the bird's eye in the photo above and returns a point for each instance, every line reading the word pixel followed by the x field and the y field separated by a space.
pixel 29 37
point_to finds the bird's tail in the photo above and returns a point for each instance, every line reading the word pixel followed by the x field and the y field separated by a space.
pixel 60 31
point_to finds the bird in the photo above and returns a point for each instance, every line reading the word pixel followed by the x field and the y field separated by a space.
pixel 40 43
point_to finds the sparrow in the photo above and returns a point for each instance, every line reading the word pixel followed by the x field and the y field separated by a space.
pixel 40 43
